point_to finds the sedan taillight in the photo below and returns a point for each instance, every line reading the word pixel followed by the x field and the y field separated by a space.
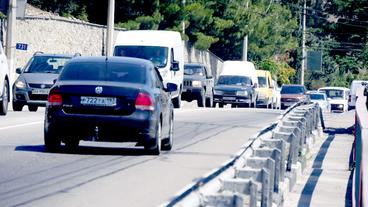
pixel 144 102
pixel 55 99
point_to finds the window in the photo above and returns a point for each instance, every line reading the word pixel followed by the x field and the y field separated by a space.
pixel 46 64
pixel 100 71
pixel 234 80
pixel 158 55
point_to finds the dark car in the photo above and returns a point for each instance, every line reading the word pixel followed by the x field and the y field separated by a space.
pixel 115 99
pixel 198 84
pixel 35 80
pixel 235 90
pixel 291 94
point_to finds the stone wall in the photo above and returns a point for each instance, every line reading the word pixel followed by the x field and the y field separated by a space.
pixel 53 34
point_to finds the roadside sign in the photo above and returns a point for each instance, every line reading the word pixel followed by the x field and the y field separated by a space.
pixel 314 60
pixel 21 46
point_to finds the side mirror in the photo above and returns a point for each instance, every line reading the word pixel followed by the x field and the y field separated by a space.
pixel 175 66
pixel 18 70
pixel 171 87
pixel 54 81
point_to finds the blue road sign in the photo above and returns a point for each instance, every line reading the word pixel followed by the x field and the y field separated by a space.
pixel 21 46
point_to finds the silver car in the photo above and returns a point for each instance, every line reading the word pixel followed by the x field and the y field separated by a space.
pixel 35 80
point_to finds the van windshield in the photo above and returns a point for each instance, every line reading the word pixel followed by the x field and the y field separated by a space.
pixel 262 82
pixel 234 80
pixel 158 55
pixel 333 93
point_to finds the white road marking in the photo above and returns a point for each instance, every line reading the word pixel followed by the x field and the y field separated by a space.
pixel 21 125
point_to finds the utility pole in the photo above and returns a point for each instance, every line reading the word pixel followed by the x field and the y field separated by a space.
pixel 304 52
pixel 110 27
pixel 10 33
pixel 245 41
pixel 183 22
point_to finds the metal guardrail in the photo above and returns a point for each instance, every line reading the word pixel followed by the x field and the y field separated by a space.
pixel 263 156
pixel 360 176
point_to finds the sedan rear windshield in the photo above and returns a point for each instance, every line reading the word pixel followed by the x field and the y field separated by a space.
pixel 100 71
pixel 292 90
pixel 234 80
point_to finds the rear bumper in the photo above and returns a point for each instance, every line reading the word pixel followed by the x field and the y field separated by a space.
pixel 141 125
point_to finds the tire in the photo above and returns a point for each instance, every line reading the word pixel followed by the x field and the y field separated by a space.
pixel 52 143
pixel 213 104
pixel 17 106
pixel 221 105
pixel 5 99
pixel 153 148
pixel 72 144
pixel 209 102
pixel 177 101
pixel 167 143
pixel 201 99
pixel 32 108
pixel 234 105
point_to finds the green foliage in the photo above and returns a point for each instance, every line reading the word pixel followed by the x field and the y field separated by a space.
pixel 204 41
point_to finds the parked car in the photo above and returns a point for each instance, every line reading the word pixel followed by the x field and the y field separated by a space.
pixel 35 80
pixel 265 88
pixel 354 85
pixel 112 99
pixel 321 99
pixel 164 48
pixel 291 94
pixel 198 84
pixel 4 82
pixel 338 97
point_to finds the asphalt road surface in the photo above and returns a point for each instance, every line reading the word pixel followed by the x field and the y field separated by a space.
pixel 114 174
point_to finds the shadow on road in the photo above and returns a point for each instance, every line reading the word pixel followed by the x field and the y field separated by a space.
pixel 307 192
pixel 86 150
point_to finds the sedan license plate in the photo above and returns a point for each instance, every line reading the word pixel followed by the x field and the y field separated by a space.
pixel 40 91
pixel 98 101
pixel 229 98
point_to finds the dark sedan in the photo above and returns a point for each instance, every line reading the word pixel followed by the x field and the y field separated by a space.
pixel 291 94
pixel 235 90
pixel 113 99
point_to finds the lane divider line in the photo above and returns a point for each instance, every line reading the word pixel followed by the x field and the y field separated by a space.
pixel 21 125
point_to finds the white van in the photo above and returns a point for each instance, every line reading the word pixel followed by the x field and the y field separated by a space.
pixel 354 85
pixel 337 97
pixel 4 83
pixel 164 48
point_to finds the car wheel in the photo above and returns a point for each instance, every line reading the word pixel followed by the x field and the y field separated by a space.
pixel 5 99
pixel 17 106
pixel 32 108
pixel 221 105
pixel 201 99
pixel 234 105
pixel 213 104
pixel 52 142
pixel 167 143
pixel 153 146
pixel 72 144
pixel 177 101
pixel 209 101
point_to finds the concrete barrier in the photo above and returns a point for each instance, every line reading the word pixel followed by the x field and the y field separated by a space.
pixel 360 177
pixel 266 170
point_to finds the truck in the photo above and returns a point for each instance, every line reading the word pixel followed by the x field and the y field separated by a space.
pixel 164 48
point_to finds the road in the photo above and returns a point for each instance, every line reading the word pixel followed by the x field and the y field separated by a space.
pixel 110 174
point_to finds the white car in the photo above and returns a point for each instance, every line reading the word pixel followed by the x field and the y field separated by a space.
pixel 4 83
pixel 337 97
pixel 321 99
